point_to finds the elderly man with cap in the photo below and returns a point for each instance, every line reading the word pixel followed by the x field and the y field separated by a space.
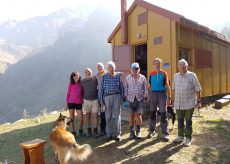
pixel 159 99
pixel 185 97
pixel 89 84
pixel 112 94
pixel 135 93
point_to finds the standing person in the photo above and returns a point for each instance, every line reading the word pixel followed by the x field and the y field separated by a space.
pixel 159 98
pixel 186 96
pixel 135 93
pixel 74 100
pixel 112 94
pixel 101 72
pixel 90 105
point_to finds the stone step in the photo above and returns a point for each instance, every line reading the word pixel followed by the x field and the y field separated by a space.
pixel 221 103
pixel 227 97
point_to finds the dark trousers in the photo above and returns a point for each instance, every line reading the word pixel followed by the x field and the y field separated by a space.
pixel 103 122
pixel 185 115
pixel 158 100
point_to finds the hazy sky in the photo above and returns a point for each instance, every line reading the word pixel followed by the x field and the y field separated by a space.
pixel 211 13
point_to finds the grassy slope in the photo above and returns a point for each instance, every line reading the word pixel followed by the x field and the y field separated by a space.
pixel 211 142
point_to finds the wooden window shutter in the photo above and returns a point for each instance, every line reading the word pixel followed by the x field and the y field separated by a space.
pixel 203 58
pixel 142 18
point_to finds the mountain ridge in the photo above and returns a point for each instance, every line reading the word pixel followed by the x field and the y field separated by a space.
pixel 40 80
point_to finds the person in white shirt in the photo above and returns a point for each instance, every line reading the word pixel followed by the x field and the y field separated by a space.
pixel 186 96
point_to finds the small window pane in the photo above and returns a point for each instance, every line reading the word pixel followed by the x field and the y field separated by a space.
pixel 185 54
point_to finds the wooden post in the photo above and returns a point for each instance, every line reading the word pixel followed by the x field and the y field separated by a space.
pixel 33 151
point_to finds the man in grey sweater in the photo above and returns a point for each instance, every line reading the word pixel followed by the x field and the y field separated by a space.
pixel 90 104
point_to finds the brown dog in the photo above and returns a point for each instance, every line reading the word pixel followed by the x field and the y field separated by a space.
pixel 64 144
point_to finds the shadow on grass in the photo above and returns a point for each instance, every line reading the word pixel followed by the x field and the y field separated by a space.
pixel 10 149
pixel 9 141
pixel 133 151
pixel 213 146
pixel 160 156
pixel 214 143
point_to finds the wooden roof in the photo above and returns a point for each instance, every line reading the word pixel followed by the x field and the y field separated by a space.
pixel 177 17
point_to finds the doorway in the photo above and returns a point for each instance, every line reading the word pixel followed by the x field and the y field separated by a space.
pixel 141 57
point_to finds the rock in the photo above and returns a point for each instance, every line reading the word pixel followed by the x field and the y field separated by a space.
pixel 54 112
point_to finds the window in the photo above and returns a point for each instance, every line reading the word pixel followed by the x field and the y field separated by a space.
pixel 143 18
pixel 185 54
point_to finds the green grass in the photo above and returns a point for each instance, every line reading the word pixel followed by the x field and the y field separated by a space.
pixel 210 144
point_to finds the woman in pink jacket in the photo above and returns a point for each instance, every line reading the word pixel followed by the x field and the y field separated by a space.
pixel 74 100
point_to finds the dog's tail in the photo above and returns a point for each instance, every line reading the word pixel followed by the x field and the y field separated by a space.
pixel 81 152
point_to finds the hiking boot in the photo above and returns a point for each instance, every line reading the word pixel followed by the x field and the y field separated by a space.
pixel 151 134
pixel 95 133
pixel 187 142
pixel 138 134
pixel 102 133
pixel 89 133
pixel 74 134
pixel 165 137
pixel 81 133
pixel 109 138
pixel 132 134
pixel 117 138
pixel 179 139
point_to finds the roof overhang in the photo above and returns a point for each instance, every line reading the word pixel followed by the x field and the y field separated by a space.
pixel 174 16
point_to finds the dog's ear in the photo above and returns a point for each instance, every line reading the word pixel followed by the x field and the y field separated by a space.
pixel 60 116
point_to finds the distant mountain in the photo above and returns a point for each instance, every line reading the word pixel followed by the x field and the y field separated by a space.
pixel 17 51
pixel 19 38
pixel 39 31
pixel 40 80
pixel 10 54
pixel 6 60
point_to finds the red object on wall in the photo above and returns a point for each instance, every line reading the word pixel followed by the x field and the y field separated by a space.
pixel 203 58
pixel 124 22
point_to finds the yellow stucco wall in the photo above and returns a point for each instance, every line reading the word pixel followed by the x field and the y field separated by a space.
pixel 134 28
pixel 159 26
pixel 117 38
pixel 215 80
